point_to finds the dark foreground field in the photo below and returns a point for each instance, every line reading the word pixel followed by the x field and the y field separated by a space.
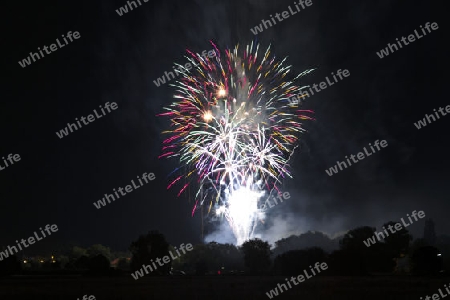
pixel 218 287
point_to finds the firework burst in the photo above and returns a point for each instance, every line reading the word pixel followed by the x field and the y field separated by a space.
pixel 234 129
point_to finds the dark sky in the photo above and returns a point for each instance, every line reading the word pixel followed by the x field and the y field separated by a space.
pixel 118 57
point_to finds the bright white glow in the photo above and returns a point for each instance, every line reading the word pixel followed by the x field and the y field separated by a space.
pixel 241 211
pixel 221 93
pixel 242 204
pixel 207 116
pixel 221 210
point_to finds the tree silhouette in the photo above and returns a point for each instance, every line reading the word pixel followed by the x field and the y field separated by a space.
pixel 304 241
pixel 397 243
pixel 426 261
pixel 292 263
pixel 256 255
pixel 210 257
pixel 443 244
pixel 429 233
pixel 198 261
pixel 10 266
pixel 97 249
pixel 123 264
pixel 98 264
pixel 82 263
pixel 78 252
pixel 354 239
pixel 150 246
pixel 355 258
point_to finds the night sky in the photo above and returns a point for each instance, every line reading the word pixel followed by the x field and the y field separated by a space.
pixel 117 58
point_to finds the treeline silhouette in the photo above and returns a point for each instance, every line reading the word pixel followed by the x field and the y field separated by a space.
pixel 348 256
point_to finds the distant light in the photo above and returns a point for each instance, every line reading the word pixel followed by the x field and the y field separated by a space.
pixel 207 116
pixel 439 254
pixel 42 261
pixel 221 92
pixel 24 261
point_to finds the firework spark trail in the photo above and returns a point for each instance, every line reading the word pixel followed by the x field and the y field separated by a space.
pixel 234 128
